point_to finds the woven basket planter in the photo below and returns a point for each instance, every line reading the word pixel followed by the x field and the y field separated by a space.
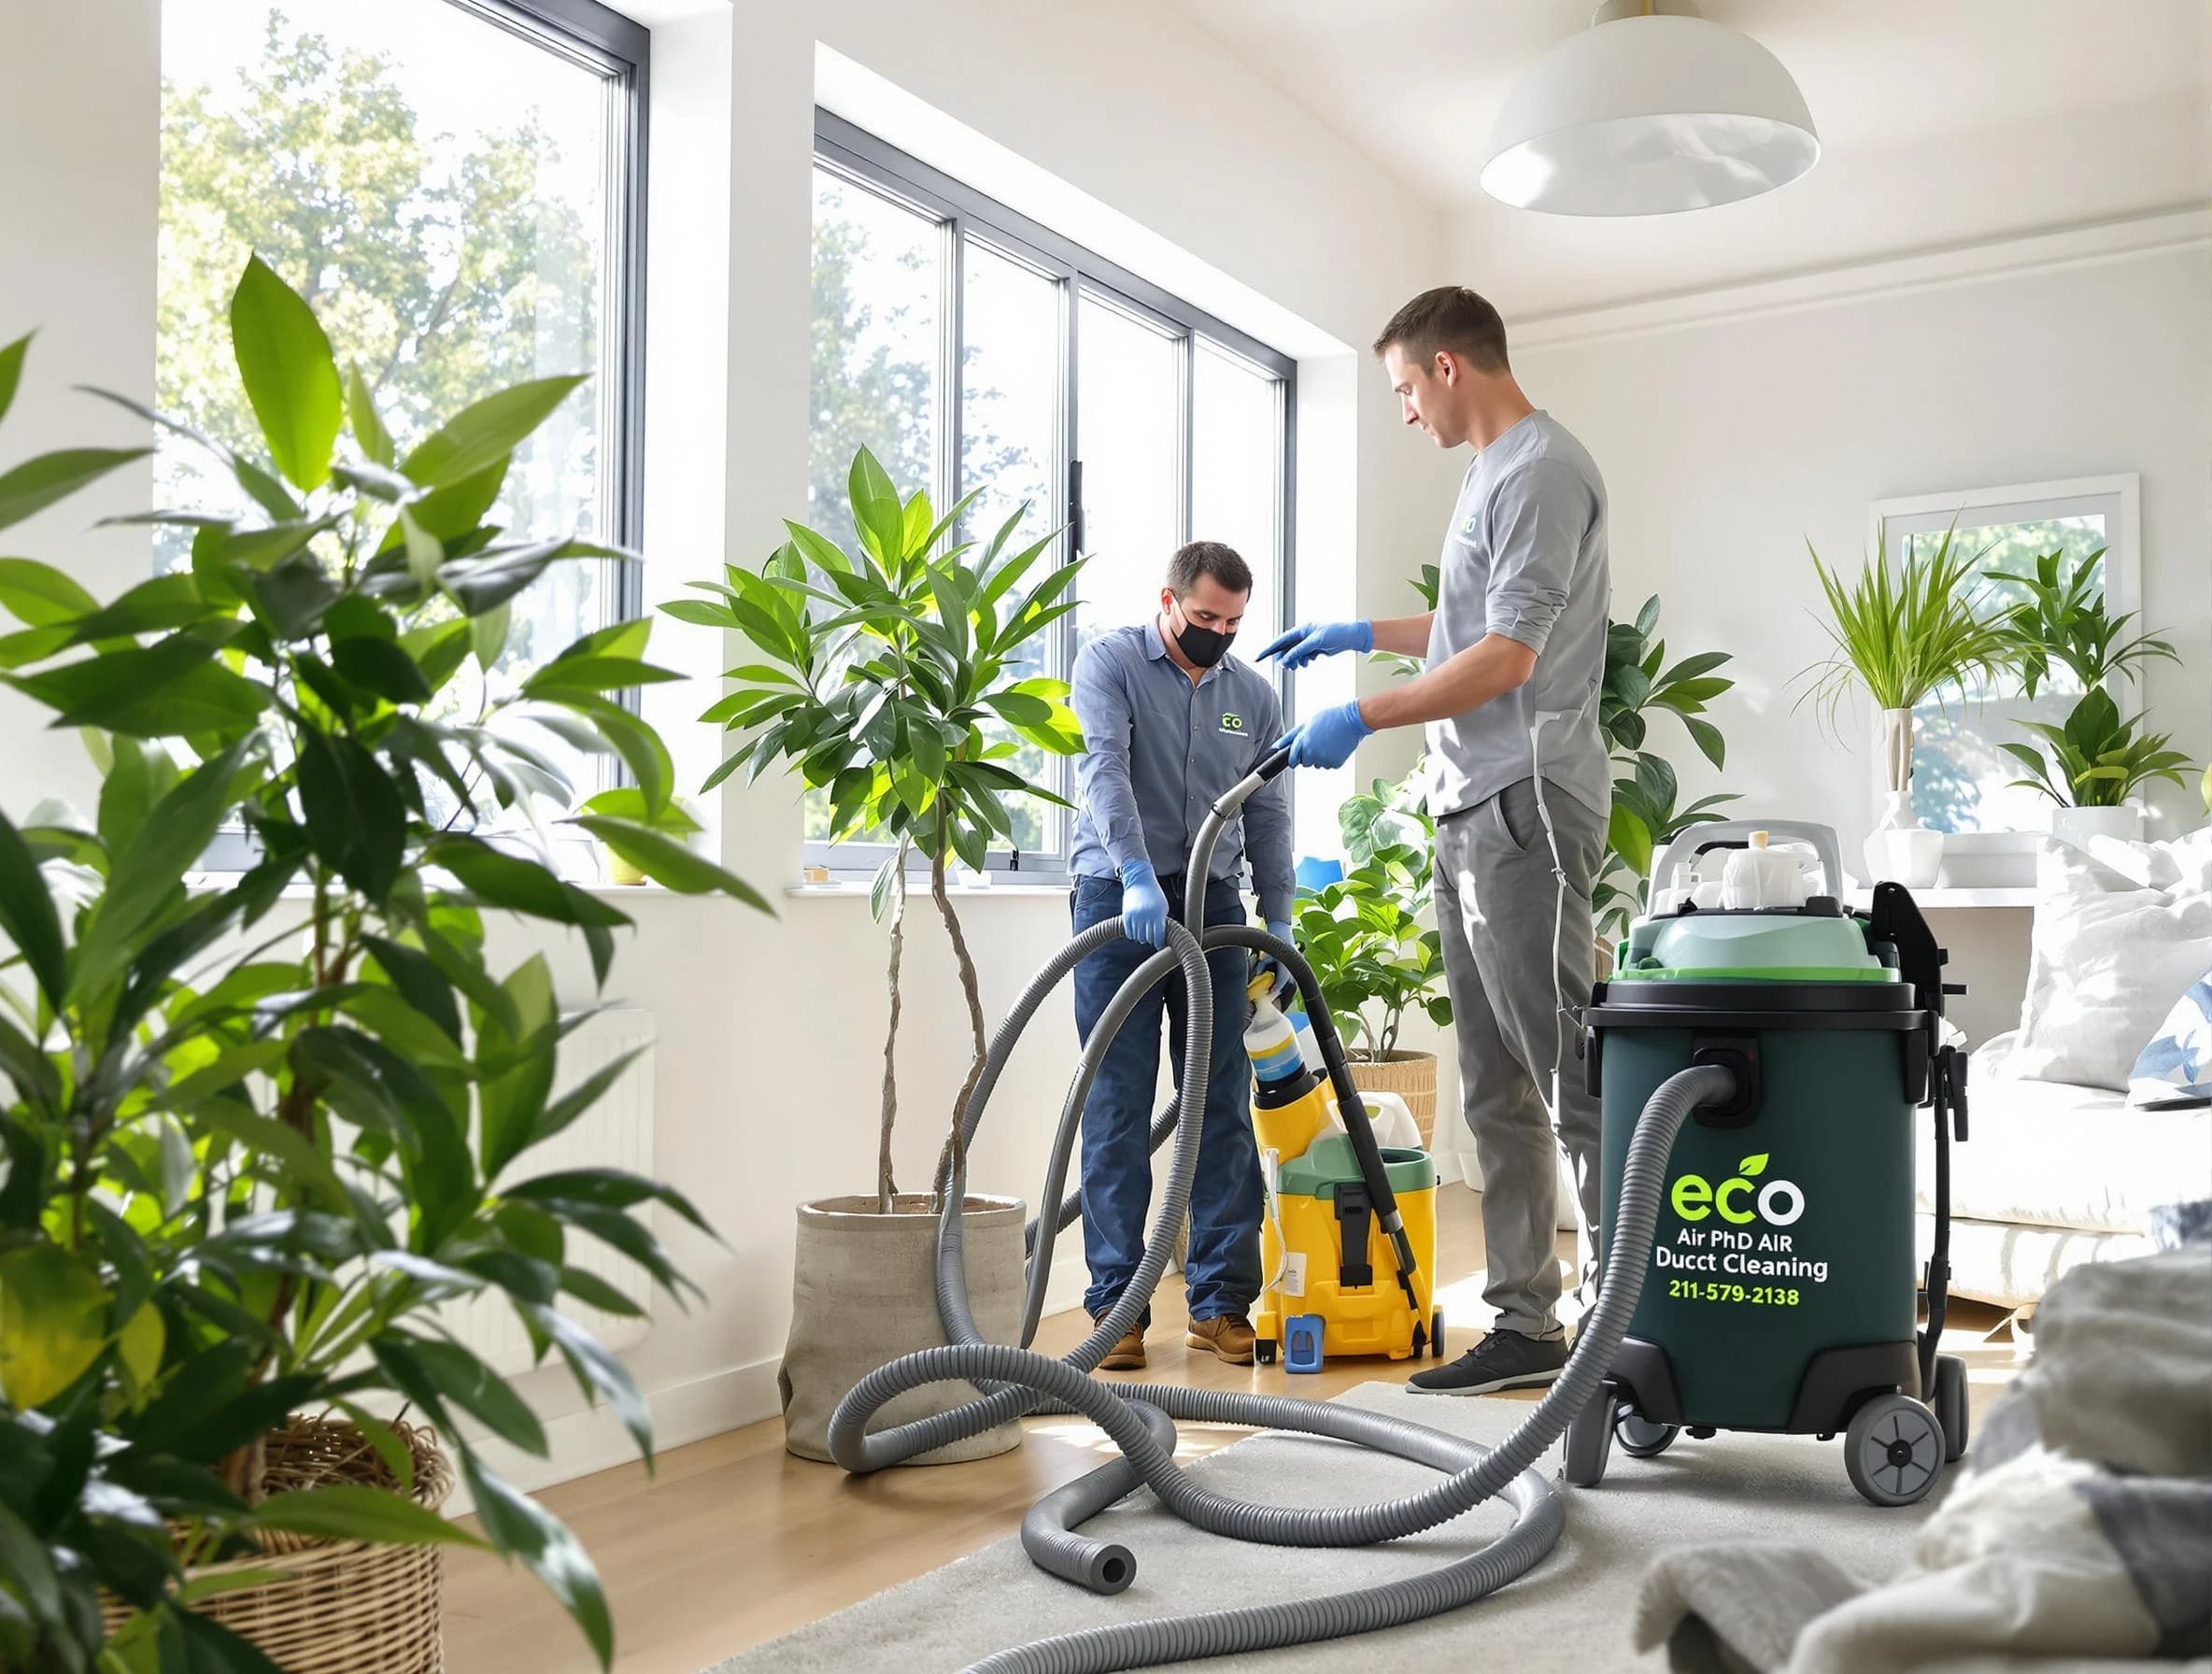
pixel 342 1607
pixel 1412 1076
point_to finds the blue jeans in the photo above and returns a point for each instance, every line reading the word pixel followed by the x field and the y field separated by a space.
pixel 1222 1271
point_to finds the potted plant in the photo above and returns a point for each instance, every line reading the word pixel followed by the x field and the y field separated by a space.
pixel 673 818
pixel 1640 682
pixel 255 1136
pixel 893 684
pixel 1374 956
pixel 1906 633
pixel 2097 759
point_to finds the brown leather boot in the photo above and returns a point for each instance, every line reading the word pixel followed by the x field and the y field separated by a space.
pixel 1228 1338
pixel 1129 1353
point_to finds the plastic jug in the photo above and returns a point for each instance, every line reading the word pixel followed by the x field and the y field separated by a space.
pixel 1764 876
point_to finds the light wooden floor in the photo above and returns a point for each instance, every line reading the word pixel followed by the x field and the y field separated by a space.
pixel 733 1542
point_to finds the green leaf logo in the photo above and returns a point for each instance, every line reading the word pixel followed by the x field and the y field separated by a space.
pixel 1753 1167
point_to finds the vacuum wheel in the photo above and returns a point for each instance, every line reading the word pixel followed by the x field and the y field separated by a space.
pixel 1263 1350
pixel 1639 1437
pixel 1589 1438
pixel 1436 1335
pixel 1951 1406
pixel 1894 1450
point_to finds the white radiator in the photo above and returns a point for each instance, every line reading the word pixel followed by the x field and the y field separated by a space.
pixel 614 1133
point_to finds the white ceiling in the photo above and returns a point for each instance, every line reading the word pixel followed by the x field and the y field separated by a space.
pixel 1942 122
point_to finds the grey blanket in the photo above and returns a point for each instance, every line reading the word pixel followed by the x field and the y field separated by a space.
pixel 2079 1536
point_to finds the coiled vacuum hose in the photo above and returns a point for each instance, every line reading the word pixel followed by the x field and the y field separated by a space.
pixel 1138 1416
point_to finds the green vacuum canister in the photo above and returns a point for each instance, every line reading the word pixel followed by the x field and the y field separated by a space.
pixel 1783 1294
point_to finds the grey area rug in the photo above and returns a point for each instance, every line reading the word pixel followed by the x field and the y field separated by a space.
pixel 1572 1613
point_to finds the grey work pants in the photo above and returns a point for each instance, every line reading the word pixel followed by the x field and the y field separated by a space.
pixel 1497 900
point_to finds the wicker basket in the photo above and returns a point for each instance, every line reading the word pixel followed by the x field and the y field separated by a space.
pixel 1412 1076
pixel 342 1607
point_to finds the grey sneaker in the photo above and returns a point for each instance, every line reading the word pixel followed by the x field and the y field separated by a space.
pixel 1502 1360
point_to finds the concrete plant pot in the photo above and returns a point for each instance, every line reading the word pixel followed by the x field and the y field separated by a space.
pixel 863 1293
pixel 2077 826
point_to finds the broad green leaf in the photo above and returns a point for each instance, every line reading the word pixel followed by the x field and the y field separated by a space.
pixel 40 596
pixel 11 371
pixel 138 1347
pixel 369 433
pixel 426 553
pixel 504 880
pixel 597 1373
pixel 383 667
pixel 302 1161
pixel 1708 740
pixel 669 862
pixel 397 1456
pixel 292 381
pixel 54 1323
pixel 347 1511
pixel 416 975
pixel 879 517
pixel 516 1525
pixel 452 511
pixel 27 915
pixel 170 689
pixel 595 674
pixel 37 483
pixel 484 430
pixel 356 820
pixel 473 1386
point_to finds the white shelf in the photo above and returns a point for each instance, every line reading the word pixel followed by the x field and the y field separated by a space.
pixel 2021 897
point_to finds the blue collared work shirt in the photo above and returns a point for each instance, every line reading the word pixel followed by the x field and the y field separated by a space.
pixel 1160 751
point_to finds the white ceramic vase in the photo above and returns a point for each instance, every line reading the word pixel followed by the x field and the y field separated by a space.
pixel 1900 849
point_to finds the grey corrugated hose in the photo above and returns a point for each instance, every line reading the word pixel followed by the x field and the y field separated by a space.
pixel 1138 1416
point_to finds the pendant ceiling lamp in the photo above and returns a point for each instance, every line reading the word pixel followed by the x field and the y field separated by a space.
pixel 1651 111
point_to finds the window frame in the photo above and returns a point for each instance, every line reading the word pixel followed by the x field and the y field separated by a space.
pixel 964 213
pixel 619 49
pixel 2117 496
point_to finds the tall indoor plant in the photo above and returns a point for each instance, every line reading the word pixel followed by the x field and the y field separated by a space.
pixel 255 1136
pixel 893 684
pixel 2093 762
pixel 1905 633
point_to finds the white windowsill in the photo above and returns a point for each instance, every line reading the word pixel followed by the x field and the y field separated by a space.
pixel 1954 899
pixel 839 888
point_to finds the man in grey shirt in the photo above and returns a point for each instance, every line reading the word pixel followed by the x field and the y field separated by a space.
pixel 1520 789
pixel 1171 721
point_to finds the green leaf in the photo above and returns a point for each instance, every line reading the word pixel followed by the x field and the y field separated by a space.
pixel 27 915
pixel 1754 1166
pixel 482 432
pixel 879 517
pixel 480 1392
pixel 597 1371
pixel 285 361
pixel 54 1323
pixel 516 1525
pixel 396 1455
pixel 565 1111
pixel 347 1511
pixel 11 371
pixel 39 596
pixel 669 864
pixel 37 483
pixel 381 666
pixel 369 433
pixel 595 674
pixel 170 689
pixel 356 820
pixel 451 511
pixel 416 976
pixel 1708 740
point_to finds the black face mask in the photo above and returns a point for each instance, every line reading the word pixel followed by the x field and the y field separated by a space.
pixel 1204 646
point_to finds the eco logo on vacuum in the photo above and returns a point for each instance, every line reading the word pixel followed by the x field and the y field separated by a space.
pixel 1748 1242
pixel 1779 1202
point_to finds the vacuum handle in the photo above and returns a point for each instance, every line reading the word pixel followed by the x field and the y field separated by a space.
pixel 1275 764
pixel 1823 839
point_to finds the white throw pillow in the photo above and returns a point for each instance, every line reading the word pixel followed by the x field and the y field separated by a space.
pixel 2110 958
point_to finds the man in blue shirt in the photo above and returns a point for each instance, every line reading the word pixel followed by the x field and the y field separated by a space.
pixel 1171 721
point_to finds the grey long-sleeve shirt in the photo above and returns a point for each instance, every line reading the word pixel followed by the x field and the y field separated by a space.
pixel 1526 558
pixel 1158 752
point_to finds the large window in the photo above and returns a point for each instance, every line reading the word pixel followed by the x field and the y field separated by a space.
pixel 970 348
pixel 456 186
pixel 1960 780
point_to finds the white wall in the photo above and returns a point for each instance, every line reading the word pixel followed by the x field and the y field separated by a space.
pixel 770 1030
pixel 1729 443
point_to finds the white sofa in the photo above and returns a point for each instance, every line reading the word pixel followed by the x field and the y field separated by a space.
pixel 2052 1176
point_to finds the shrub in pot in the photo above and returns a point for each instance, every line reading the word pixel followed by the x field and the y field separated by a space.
pixel 255 1136
pixel 2091 763
pixel 893 682
pixel 1374 955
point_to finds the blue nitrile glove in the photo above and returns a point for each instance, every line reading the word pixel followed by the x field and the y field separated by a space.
pixel 1279 930
pixel 1329 739
pixel 1310 640
pixel 1143 904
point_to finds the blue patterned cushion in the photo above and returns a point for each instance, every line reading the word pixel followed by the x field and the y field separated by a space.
pixel 2176 1067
